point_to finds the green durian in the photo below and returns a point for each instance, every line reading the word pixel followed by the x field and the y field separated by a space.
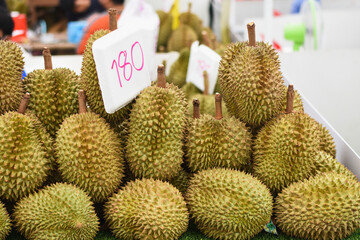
pixel 181 38
pixel 11 68
pixel 156 130
pixel 90 83
pixel 228 204
pixel 23 160
pixel 60 211
pixel 325 207
pixel 147 209
pixel 53 94
pixel 179 68
pixel 208 38
pixel 251 82
pixel 89 153
pixel 327 143
pixel 181 181
pixel 190 90
pixel 5 222
pixel 193 21
pixel 326 163
pixel 217 142
pixel 166 21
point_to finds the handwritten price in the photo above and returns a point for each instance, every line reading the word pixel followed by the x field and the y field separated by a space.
pixel 203 65
pixel 126 65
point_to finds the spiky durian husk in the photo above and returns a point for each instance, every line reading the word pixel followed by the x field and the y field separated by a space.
pixel 181 181
pixel 179 68
pixel 325 207
pixel 297 104
pixel 285 150
pixel 90 83
pixel 215 143
pixel 53 96
pixel 207 105
pixel 327 143
pixel 60 211
pixel 190 90
pixel 191 20
pixel 23 162
pixel 11 68
pixel 228 204
pixel 251 82
pixel 156 130
pixel 90 156
pixel 326 163
pixel 180 38
pixel 166 20
pixel 5 222
pixel 147 209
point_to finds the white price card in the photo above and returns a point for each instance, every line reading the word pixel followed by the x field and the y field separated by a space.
pixel 203 58
pixel 121 65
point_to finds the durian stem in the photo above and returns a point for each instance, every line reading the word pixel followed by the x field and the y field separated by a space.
pixel 196 108
pixel 189 7
pixel 112 19
pixel 24 102
pixel 206 83
pixel 290 99
pixel 82 101
pixel 162 49
pixel 47 58
pixel 161 80
pixel 213 42
pixel 251 33
pixel 206 39
pixel 218 110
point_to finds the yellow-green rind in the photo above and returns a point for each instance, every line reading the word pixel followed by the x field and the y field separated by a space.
pixel 327 143
pixel 181 181
pixel 5 222
pixel 166 21
pixel 178 69
pixel 180 38
pixel 147 209
pixel 228 204
pixel 251 82
pixel 11 68
pixel 60 211
pixel 90 155
pixel 207 105
pixel 193 21
pixel 190 90
pixel 325 207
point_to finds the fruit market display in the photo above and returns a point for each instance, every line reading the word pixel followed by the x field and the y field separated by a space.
pixel 153 171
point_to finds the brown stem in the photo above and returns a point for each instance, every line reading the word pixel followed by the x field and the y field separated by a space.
pixel 47 58
pixel 213 41
pixel 112 19
pixel 251 33
pixel 290 99
pixel 82 101
pixel 206 39
pixel 218 110
pixel 196 108
pixel 206 83
pixel 161 80
pixel 24 102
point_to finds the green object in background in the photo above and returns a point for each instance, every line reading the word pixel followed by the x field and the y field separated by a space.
pixel 296 33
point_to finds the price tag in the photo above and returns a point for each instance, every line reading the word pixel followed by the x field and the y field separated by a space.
pixel 203 58
pixel 121 65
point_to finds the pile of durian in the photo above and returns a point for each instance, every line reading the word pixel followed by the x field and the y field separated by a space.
pixel 67 167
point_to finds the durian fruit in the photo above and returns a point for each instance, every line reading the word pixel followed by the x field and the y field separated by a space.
pixel 251 81
pixel 326 163
pixel 217 142
pixel 53 94
pixel 5 222
pixel 11 68
pixel 179 68
pixel 166 21
pixel 60 211
pixel 325 207
pixel 181 181
pixel 89 77
pixel 23 160
pixel 228 204
pixel 147 209
pixel 89 153
pixel 181 38
pixel 298 103
pixel 156 130
pixel 327 143
pixel 208 38
pixel 190 19
pixel 286 147
pixel 190 90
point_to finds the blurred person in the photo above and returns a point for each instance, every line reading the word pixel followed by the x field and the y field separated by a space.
pixel 80 9
pixel 6 24
pixel 99 21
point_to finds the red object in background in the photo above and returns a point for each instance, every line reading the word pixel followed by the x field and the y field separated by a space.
pixel 20 28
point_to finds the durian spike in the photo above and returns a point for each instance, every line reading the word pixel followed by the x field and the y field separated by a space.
pixel 82 101
pixel 206 39
pixel 251 33
pixel 161 80
pixel 196 108
pixel 206 83
pixel 218 110
pixel 47 58
pixel 24 102
pixel 290 99
pixel 112 19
